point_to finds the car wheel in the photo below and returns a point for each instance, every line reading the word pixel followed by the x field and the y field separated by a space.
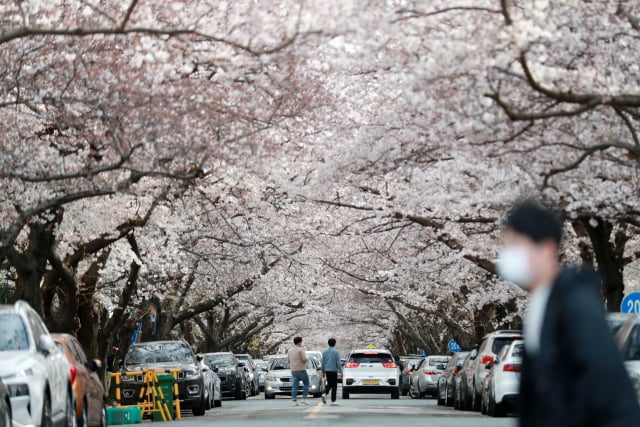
pixel 6 413
pixel 103 417
pixel 83 421
pixel 475 402
pixel 201 409
pixel 269 396
pixel 441 401
pixel 495 409
pixel 46 420
pixel 70 417
pixel 345 394
pixel 217 403
pixel 395 394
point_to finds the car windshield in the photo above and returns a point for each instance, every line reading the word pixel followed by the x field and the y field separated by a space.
pixel 280 364
pixel 13 333
pixel 633 344
pixel 371 357
pixel 438 361
pixel 159 353
pixel 261 364
pixel 221 360
pixel 499 343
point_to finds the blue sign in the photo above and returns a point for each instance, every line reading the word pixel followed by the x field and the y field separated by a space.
pixel 454 346
pixel 631 303
pixel 423 353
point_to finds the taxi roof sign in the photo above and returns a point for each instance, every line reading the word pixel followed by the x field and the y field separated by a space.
pixel 371 347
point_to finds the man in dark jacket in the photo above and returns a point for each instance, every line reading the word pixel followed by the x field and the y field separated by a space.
pixel 572 373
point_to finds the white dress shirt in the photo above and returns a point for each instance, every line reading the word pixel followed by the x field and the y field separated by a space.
pixel 534 318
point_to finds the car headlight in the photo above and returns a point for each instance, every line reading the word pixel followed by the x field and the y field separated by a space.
pixel 127 378
pixel 271 378
pixel 190 374
pixel 16 390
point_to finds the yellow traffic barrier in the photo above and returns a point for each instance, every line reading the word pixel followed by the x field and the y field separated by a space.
pixel 151 397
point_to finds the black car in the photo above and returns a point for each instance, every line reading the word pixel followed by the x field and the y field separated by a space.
pixel 165 355
pixel 233 375
pixel 5 406
pixel 254 377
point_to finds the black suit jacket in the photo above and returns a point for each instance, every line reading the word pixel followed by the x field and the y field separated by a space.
pixel 578 377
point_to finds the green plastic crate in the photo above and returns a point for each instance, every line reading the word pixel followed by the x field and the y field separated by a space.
pixel 128 415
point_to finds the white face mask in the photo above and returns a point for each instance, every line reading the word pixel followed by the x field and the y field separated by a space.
pixel 513 266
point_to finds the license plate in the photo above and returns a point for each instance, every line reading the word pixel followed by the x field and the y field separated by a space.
pixel 370 382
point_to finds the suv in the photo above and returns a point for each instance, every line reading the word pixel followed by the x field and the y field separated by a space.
pixel 232 374
pixel 488 349
pixel 35 371
pixel 252 377
pixel 371 371
pixel 166 355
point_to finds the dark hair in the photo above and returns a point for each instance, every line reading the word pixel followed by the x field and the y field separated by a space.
pixel 332 342
pixel 297 340
pixel 535 221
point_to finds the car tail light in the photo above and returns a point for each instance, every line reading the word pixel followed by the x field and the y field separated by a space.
pixel 430 373
pixel 389 365
pixel 351 365
pixel 511 367
pixel 409 372
pixel 74 373
pixel 456 371
pixel 486 359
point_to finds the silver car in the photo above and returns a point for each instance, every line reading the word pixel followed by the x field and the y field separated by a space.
pixel 424 380
pixel 262 367
pixel 278 379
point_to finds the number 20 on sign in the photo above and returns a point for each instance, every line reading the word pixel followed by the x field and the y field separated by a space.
pixel 631 303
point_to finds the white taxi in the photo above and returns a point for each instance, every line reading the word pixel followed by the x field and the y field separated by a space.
pixel 371 371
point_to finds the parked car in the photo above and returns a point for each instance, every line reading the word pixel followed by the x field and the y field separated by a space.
pixel 315 354
pixel 88 388
pixel 5 405
pixel 253 377
pixel 211 383
pixel 628 339
pixel 409 364
pixel 165 355
pixel 262 367
pixel 464 383
pixel 501 388
pixel 371 371
pixel 233 374
pixel 447 381
pixel 34 370
pixel 488 349
pixel 278 379
pixel 340 374
pixel 424 379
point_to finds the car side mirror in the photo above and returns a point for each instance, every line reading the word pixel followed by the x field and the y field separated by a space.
pixel 46 344
pixel 120 362
pixel 216 369
pixel 94 365
pixel 246 369
pixel 241 365
pixel 459 366
pixel 496 361
pixel 199 357
pixel 205 369
pixel 265 370
pixel 488 365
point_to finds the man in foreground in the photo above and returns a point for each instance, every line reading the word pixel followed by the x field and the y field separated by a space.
pixel 298 364
pixel 331 366
pixel 572 372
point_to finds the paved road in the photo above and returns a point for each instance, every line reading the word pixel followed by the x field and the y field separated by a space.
pixel 359 411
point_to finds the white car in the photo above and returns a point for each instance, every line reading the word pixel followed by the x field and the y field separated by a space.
pixel 278 379
pixel 501 388
pixel 315 354
pixel 371 371
pixel 489 348
pixel 628 339
pixel 34 369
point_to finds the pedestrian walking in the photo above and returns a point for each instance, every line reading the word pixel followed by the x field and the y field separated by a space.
pixel 298 363
pixel 572 372
pixel 331 366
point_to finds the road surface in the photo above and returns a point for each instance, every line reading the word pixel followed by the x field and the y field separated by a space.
pixel 358 411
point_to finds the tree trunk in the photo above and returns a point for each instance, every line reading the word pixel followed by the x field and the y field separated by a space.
pixel 609 255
